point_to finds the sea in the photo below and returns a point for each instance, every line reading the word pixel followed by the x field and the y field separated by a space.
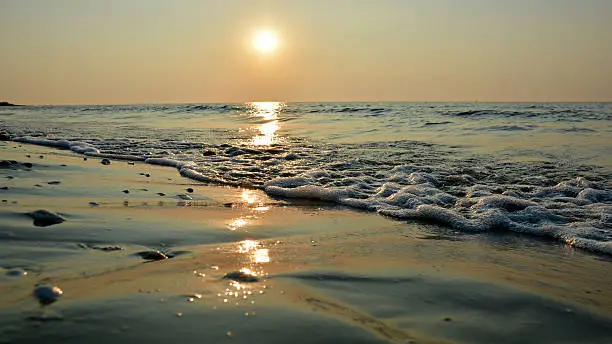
pixel 542 169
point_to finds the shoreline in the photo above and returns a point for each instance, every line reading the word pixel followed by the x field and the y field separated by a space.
pixel 283 188
pixel 361 276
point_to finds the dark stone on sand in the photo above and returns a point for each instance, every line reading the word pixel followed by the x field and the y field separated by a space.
pixel 161 194
pixel 126 191
pixel 5 137
pixel 41 156
pixel 108 248
pixel 4 188
pixel 27 164
pixel 28 156
pixel 190 190
pixel 54 182
pixel 101 248
pixel 94 204
pixel 6 164
pixel 208 153
pixel 47 294
pixel 45 218
pixel 241 276
pixel 16 272
pixel 152 255
pixel 447 319
pixel 38 185
pixel 84 158
pixel 130 163
pixel 105 162
pixel 147 175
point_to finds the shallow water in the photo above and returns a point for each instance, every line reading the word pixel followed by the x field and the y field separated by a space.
pixel 541 169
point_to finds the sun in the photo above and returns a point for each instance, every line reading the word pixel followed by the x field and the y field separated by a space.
pixel 265 41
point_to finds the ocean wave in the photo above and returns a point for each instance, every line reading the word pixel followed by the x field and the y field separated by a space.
pixel 507 128
pixel 405 180
pixel 490 113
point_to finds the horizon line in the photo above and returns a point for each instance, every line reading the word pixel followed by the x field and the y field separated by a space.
pixel 339 102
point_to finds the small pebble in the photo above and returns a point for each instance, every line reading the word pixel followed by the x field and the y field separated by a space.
pixel 130 163
pixel 126 191
pixel 28 164
pixel 54 182
pixel 47 294
pixel 161 194
pixel 241 276
pixel 147 175
pixel 179 314
pixel 105 162
pixel 44 218
pixel 447 319
pixel 17 273
pixel 40 157
pixel 94 204
pixel 190 190
pixel 153 255
pixel 108 248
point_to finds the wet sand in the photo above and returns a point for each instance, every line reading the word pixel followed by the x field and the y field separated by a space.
pixel 325 273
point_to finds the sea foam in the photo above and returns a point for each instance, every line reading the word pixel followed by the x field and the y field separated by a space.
pixel 404 180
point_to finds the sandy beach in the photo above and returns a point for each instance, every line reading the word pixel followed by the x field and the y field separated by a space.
pixel 322 273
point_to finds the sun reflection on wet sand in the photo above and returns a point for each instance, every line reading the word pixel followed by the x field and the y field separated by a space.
pixel 238 223
pixel 256 254
pixel 268 111
pixel 248 196
pixel 242 287
pixel 250 255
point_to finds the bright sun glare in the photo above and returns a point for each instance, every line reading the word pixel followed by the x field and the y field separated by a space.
pixel 265 41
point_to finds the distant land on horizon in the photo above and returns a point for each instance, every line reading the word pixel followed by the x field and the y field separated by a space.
pixel 7 104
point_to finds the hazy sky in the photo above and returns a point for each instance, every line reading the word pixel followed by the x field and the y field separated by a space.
pixel 141 51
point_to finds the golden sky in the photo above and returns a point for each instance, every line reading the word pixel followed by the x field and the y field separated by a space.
pixel 158 51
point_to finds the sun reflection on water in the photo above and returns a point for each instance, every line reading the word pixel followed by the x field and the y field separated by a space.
pixel 268 111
